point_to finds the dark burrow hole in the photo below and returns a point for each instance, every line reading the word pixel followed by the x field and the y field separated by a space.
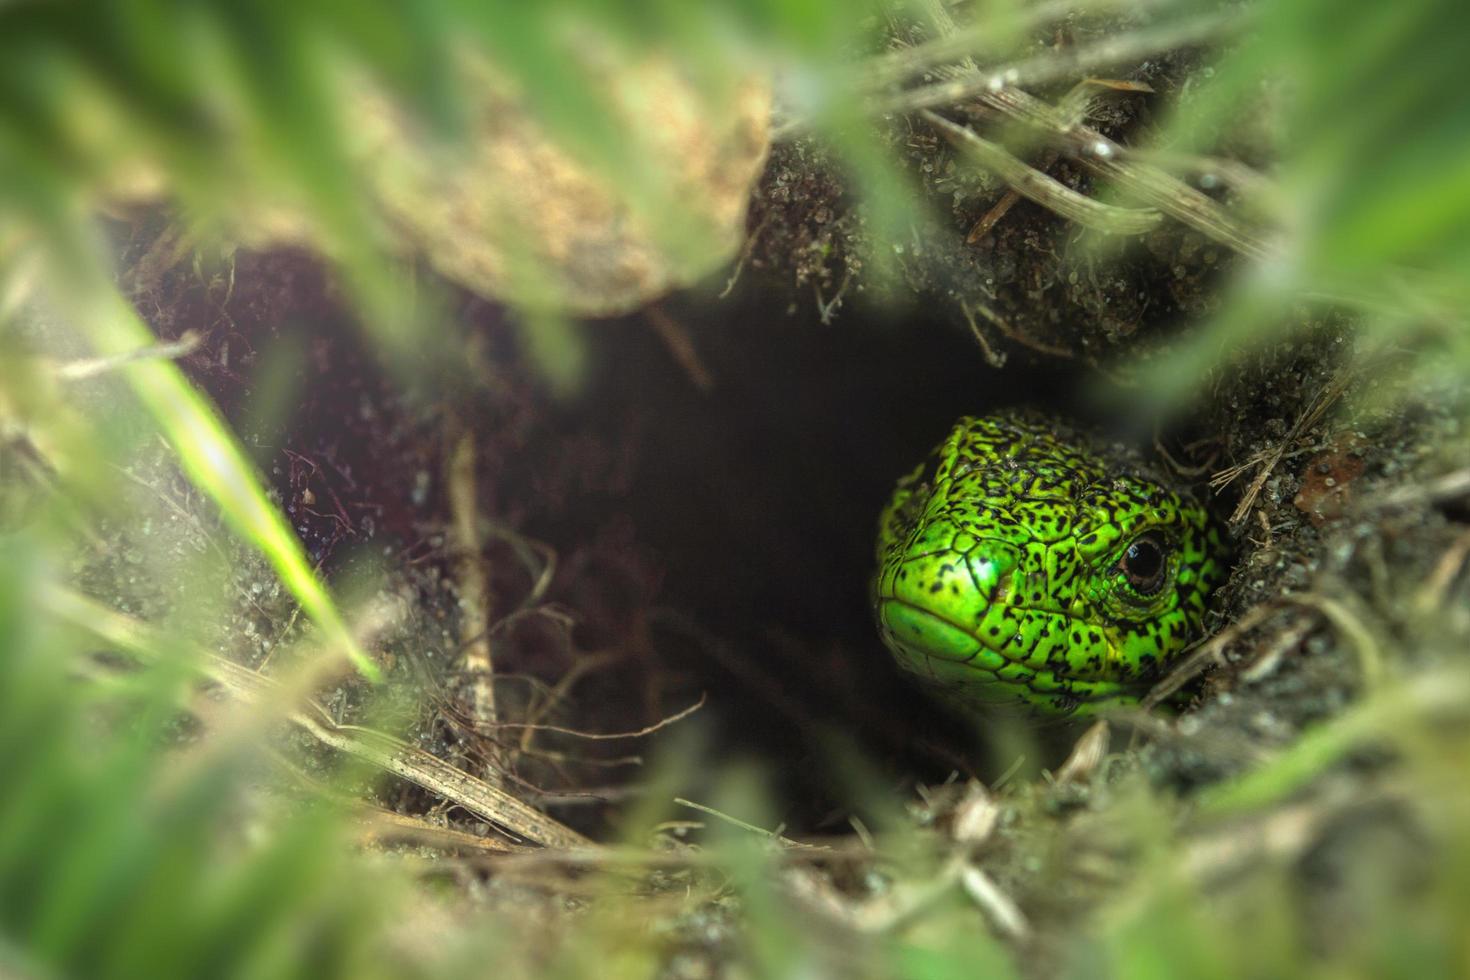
pixel 732 529
pixel 758 500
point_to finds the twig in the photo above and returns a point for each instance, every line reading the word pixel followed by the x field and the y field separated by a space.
pixel 1370 656
pixel 1009 773
pixel 549 611
pixel 1210 171
pixel 944 26
pixel 379 825
pixel 594 795
pixel 609 856
pixel 551 755
pixel 1075 105
pixel 1008 200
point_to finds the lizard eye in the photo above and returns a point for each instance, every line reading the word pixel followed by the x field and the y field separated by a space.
pixel 1145 564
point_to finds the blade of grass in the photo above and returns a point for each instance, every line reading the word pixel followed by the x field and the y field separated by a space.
pixel 216 462
pixel 1384 715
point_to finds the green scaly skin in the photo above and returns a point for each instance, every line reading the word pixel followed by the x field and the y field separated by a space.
pixel 1001 570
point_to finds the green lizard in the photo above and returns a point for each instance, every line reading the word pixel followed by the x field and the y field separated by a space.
pixel 1023 565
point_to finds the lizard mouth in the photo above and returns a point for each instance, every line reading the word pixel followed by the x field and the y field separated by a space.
pixel 928 643
pixel 919 632
pixel 960 666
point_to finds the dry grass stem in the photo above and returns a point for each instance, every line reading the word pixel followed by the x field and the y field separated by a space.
pixel 1267 460
pixel 1351 626
pixel 1037 186
pixel 1432 594
pixel 90 367
pixel 999 210
pixel 1454 485
pixel 993 357
pixel 476 603
pixel 1018 336
pixel 1148 185
pixel 882 914
pixel 564 684
pixel 1002 910
pixel 1086 755
pixel 1288 639
pixel 955 43
pixel 676 338
pixel 975 816
pixel 378 826
pixel 1192 664
pixel 384 751
pixel 737 822
pixel 1280 834
pixel 597 736
pixel 1056 65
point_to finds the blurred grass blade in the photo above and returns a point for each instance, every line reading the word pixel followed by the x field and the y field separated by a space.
pixel 1392 715
pixel 215 461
